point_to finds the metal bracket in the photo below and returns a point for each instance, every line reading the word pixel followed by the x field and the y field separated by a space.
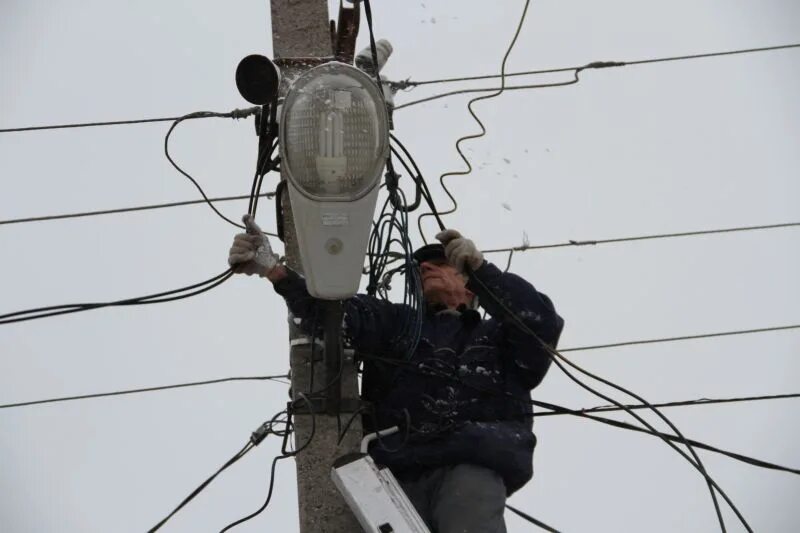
pixel 344 33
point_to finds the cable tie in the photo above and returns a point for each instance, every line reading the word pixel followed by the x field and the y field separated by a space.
pixel 392 180
pixel 244 113
pixel 582 243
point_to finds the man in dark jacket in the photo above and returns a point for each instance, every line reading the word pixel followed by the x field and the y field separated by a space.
pixel 462 398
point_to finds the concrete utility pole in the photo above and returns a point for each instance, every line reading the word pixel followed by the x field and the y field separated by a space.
pixel 301 39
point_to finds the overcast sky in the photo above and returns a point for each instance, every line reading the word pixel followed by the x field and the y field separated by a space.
pixel 668 147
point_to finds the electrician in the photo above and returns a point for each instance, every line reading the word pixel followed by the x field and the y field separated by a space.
pixel 462 398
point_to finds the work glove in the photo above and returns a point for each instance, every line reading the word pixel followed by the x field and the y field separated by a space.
pixel 460 252
pixel 251 252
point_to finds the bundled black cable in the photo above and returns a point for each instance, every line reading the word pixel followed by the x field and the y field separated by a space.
pixel 285 453
pixel 265 429
pixel 264 165
pixel 270 427
pixel 161 297
pixel 391 228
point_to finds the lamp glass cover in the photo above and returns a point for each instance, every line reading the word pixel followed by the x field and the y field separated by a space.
pixel 334 133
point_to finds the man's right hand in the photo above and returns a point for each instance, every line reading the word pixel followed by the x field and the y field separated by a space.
pixel 251 252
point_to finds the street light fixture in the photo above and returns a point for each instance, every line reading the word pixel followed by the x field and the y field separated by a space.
pixel 334 140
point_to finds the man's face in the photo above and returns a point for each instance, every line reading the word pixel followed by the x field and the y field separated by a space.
pixel 443 284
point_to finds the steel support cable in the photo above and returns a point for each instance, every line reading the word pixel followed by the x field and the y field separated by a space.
pixel 410 83
pixel 680 338
pixel 589 66
pixel 92 124
pixel 572 243
pixel 559 410
pixel 276 378
pixel 129 209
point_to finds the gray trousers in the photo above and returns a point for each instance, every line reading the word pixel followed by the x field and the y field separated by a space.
pixel 458 499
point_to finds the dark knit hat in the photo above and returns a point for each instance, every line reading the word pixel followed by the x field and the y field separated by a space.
pixel 430 252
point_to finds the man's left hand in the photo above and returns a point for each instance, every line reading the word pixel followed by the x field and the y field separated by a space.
pixel 460 252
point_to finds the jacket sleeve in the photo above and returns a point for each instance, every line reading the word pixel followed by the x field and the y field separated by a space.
pixel 535 310
pixel 371 325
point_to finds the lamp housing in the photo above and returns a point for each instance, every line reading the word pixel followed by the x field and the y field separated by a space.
pixel 334 140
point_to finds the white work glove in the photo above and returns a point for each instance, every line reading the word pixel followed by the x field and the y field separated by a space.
pixel 251 252
pixel 460 252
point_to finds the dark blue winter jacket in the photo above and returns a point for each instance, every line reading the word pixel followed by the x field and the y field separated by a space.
pixel 466 388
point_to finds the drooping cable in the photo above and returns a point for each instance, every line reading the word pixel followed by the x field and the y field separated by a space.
pixel 483 129
pixel 161 297
pixel 559 410
pixel 241 453
pixel 285 453
pixel 560 360
pixel 556 409
pixel 264 430
pixel 576 78
pixel 199 114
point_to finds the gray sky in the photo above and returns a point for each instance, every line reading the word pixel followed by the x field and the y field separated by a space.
pixel 647 149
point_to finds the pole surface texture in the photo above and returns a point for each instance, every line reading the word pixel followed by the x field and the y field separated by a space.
pixel 300 29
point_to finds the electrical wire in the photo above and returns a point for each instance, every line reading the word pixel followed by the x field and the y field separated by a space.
pixel 128 209
pixel 264 430
pixel 556 356
pixel 531 519
pixel 409 83
pixel 681 338
pixel 571 243
pixel 575 79
pixel 575 70
pixel 559 410
pixel 92 124
pixel 175 294
pixel 145 389
pixel 559 360
pixel 285 453
pixel 241 453
pixel 665 436
pixel 681 403
pixel 575 243
pixel 262 167
pixel 199 114
pixel 477 135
